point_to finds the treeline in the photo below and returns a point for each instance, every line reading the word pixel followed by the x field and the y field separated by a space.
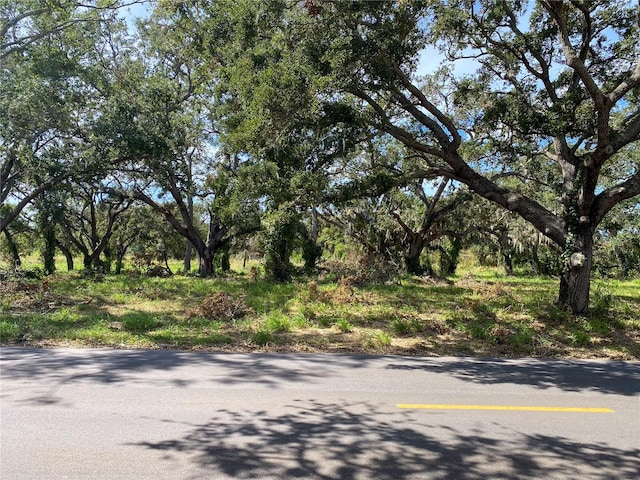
pixel 316 127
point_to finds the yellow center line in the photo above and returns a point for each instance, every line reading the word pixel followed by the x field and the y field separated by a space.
pixel 503 407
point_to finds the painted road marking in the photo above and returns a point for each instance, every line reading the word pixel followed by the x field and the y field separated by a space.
pixel 504 407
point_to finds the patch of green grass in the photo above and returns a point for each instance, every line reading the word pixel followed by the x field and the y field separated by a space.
pixel 344 325
pixel 480 328
pixel 521 337
pixel 376 339
pixel 9 331
pixel 65 316
pixel 262 337
pixel 601 300
pixel 140 322
pixel 597 325
pixel 482 313
pixel 580 338
pixel 403 326
pixel 177 336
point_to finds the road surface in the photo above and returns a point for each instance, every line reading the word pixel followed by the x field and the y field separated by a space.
pixel 118 414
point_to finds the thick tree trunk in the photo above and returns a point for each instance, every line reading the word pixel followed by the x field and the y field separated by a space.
pixel 575 281
pixel 205 263
pixel 412 258
pixel 49 252
pixel 280 265
pixel 95 260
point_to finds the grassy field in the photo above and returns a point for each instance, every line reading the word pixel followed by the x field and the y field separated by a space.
pixel 477 312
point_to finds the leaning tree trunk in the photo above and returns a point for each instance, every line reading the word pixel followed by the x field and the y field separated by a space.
pixel 13 250
pixel 575 280
pixel 67 254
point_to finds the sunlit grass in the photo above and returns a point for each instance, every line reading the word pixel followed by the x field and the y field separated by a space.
pixel 481 311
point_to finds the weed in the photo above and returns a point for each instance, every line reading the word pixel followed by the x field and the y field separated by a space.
pixel 313 292
pixel 177 336
pixel 597 325
pixel 121 298
pixel 601 300
pixel 344 325
pixel 376 339
pixel 8 331
pixel 299 320
pixel 277 321
pixel 503 315
pixel 5 306
pixel 262 337
pixel 326 321
pixel 407 327
pixel 579 338
pixel 522 337
pixel 139 322
pixel 64 315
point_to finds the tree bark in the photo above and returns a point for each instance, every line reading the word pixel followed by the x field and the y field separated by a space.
pixel 188 248
pixel 507 257
pixel 49 252
pixel 205 262
pixel 412 258
pixel 575 281
pixel 67 254
pixel 120 253
pixel 13 250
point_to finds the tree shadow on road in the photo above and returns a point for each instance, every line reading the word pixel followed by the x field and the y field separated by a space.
pixel 109 366
pixel 171 368
pixel 348 441
pixel 611 377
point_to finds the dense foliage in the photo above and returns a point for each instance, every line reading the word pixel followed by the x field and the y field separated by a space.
pixel 406 131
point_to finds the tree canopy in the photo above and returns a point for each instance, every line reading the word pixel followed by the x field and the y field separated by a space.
pixel 290 108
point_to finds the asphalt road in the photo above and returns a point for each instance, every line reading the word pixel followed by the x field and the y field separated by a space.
pixel 116 414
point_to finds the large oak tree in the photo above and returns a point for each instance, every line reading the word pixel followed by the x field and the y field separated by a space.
pixel 554 88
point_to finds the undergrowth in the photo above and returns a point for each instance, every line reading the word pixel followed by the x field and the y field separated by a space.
pixel 475 313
